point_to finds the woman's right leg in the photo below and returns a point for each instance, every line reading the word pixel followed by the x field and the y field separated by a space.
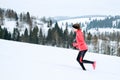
pixel 78 59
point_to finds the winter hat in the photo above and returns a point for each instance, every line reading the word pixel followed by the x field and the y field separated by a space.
pixel 76 26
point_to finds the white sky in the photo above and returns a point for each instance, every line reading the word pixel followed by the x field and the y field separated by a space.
pixel 64 7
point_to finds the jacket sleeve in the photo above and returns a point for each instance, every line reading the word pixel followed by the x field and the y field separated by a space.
pixel 74 44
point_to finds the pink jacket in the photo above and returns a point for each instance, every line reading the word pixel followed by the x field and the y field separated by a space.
pixel 80 43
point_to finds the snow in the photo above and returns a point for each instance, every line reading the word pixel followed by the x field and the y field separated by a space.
pixel 24 61
pixel 9 24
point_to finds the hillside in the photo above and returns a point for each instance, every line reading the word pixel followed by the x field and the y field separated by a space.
pixel 83 20
pixel 10 19
pixel 101 32
pixel 23 61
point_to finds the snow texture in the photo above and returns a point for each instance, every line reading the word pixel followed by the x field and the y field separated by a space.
pixel 24 61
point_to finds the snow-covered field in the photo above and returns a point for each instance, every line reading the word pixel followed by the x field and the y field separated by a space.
pixel 24 61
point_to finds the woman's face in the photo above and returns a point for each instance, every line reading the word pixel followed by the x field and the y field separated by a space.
pixel 74 30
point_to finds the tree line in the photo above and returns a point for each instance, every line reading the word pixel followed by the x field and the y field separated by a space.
pixel 102 43
pixel 106 23
pixel 55 37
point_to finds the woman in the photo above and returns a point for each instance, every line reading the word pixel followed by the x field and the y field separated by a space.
pixel 81 45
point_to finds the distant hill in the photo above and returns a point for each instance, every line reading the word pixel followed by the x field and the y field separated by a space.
pixel 59 18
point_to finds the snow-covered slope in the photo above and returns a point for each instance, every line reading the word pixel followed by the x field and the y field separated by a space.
pixel 82 20
pixel 85 21
pixel 23 61
pixel 11 24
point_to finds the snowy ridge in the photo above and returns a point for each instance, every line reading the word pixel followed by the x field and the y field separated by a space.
pixel 103 30
pixel 24 61
pixel 11 24
pixel 83 20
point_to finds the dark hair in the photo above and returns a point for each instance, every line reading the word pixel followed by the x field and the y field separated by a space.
pixel 76 26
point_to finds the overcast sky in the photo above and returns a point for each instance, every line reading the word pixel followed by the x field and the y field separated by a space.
pixel 64 7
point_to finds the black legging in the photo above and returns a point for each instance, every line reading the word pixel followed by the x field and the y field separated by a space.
pixel 80 59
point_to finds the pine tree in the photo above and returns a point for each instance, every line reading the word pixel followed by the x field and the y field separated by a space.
pixel 5 34
pixel 89 38
pixel 1 33
pixel 118 51
pixel 16 35
pixel 49 36
pixel 49 23
pixel 25 37
pixel 61 40
pixel 66 37
pixel 9 36
pixel 40 38
pixel 55 36
pixel 21 17
pixel 95 43
pixel 34 35
pixel 1 16
pixel 71 38
pixel 29 21
pixel 16 17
